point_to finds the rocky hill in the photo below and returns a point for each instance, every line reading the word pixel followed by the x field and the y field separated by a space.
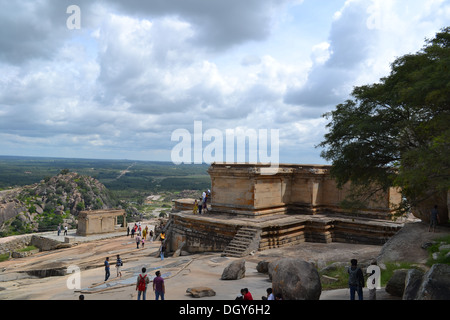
pixel 59 199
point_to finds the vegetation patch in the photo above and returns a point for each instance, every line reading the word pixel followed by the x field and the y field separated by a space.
pixel 439 251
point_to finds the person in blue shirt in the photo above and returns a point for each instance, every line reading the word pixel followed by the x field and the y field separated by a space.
pixel 107 274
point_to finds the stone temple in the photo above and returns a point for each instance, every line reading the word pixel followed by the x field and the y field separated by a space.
pixel 252 210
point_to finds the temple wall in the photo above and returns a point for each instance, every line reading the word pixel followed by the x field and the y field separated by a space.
pixel 241 190
pixel 303 189
pixel 198 234
pixel 270 193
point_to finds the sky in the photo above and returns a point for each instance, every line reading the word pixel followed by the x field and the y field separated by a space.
pixel 135 79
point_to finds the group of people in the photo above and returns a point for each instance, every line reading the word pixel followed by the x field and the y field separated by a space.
pixel 202 205
pixel 246 295
pixel 138 231
pixel 60 229
pixel 119 264
pixel 356 282
pixel 143 282
pixel 140 234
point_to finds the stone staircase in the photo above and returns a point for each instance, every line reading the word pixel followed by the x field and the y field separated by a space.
pixel 244 242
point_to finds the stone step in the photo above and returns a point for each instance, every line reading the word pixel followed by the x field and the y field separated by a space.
pixel 245 236
pixel 241 242
pixel 234 251
pixel 236 248
pixel 232 255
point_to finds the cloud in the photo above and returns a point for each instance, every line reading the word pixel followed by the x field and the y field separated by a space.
pixel 218 25
pixel 337 61
pixel 365 38
pixel 136 70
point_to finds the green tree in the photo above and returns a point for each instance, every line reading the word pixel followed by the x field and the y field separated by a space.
pixel 396 132
pixel 80 206
pixel 64 171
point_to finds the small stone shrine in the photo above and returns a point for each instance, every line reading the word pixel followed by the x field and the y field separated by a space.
pixel 100 221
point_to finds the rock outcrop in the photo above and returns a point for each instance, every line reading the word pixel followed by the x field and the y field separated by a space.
pixel 27 209
pixel 414 284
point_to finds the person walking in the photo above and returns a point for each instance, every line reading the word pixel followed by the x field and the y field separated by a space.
pixel 107 273
pixel 162 250
pixel 355 280
pixel 65 230
pixel 145 232
pixel 59 229
pixel 138 240
pixel 142 284
pixel 204 197
pixel 158 286
pixel 119 265
pixel 434 218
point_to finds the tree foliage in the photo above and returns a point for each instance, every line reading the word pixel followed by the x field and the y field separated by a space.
pixel 396 132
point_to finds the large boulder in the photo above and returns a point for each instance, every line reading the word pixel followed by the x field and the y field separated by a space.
pixel 413 280
pixel 396 284
pixel 263 267
pixel 295 279
pixel 234 271
pixel 435 283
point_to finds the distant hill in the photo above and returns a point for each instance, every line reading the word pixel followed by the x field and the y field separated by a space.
pixel 124 176
pixel 42 206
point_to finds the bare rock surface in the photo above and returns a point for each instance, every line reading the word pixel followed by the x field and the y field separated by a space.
pixel 18 280
pixel 407 244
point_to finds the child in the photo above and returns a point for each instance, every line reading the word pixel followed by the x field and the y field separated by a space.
pixel 195 207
